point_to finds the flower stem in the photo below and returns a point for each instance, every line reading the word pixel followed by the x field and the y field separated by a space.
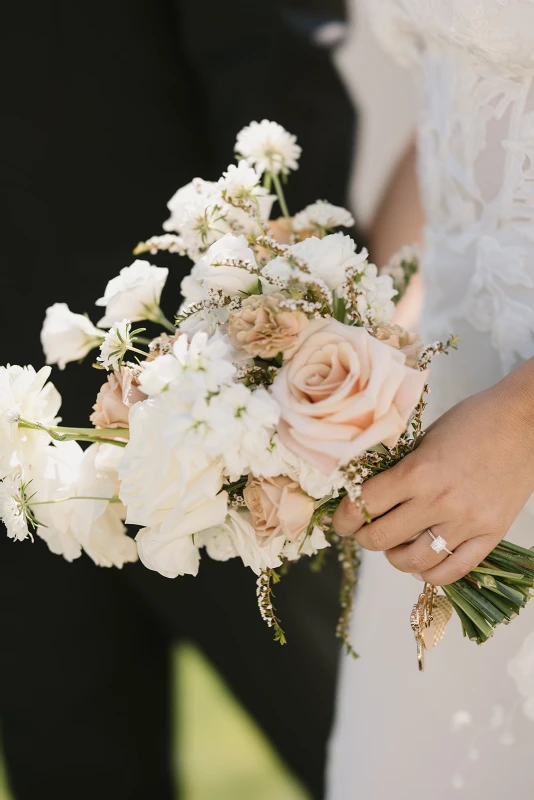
pixel 78 497
pixel 136 350
pixel 74 434
pixel 156 315
pixel 280 194
pixel 119 432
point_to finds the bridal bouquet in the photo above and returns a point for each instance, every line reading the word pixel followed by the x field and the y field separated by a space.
pixel 280 387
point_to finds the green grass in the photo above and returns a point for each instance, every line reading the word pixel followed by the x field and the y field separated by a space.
pixel 220 754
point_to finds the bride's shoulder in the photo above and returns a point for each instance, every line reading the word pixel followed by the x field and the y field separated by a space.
pixel 499 30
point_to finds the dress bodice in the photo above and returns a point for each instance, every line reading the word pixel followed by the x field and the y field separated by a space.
pixel 476 137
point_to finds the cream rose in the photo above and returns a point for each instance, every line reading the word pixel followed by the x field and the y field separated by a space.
pixel 113 401
pixel 342 393
pixel 209 274
pixel 278 507
pixel 262 328
pixel 407 342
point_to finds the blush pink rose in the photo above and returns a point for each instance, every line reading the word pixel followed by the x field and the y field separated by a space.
pixel 115 398
pixel 278 507
pixel 343 392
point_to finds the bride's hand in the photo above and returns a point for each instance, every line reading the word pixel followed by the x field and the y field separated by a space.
pixel 467 481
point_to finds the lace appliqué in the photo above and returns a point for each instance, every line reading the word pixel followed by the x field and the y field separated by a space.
pixel 489 307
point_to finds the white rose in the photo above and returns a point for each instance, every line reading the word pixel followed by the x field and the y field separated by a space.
pixel 329 257
pixel 134 294
pixel 66 336
pixel 231 280
pixel 169 548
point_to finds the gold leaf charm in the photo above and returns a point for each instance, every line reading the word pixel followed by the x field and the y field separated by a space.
pixel 441 614
pixel 428 621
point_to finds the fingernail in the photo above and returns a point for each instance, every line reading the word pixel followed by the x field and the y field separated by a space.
pixel 417 577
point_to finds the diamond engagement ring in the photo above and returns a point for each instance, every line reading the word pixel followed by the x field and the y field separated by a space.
pixel 438 543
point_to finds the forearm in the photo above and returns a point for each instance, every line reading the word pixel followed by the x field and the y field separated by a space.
pixel 515 395
pixel 399 219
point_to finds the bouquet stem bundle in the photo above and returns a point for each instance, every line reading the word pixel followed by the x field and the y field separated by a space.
pixel 495 592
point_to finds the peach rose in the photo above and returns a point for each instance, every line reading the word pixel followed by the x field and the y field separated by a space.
pixel 278 507
pixel 407 342
pixel 262 328
pixel 342 393
pixel 115 398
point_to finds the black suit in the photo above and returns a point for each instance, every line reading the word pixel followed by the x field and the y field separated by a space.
pixel 109 107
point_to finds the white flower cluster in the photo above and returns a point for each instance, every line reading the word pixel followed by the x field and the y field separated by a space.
pixel 24 395
pixel 198 429
pixel 132 295
pixel 375 303
pixel 38 475
pixel 201 215
pixel 83 524
pixel 211 458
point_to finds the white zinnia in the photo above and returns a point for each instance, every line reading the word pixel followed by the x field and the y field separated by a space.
pixel 135 293
pixel 25 393
pixel 209 273
pixel 324 216
pixel 268 147
pixel 12 508
pixel 66 336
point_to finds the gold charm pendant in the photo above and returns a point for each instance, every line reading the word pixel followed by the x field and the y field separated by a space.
pixel 428 621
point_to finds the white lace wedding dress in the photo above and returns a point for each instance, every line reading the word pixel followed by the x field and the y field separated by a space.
pixel 466 724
